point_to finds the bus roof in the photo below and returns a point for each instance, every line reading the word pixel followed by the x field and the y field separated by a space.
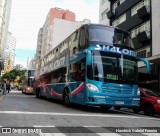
pixel 102 25
pixel 87 25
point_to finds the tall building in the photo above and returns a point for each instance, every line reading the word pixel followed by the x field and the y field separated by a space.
pixel 52 14
pixel 18 66
pixel 30 63
pixel 5 7
pixel 104 7
pixel 57 27
pixel 9 53
pixel 142 19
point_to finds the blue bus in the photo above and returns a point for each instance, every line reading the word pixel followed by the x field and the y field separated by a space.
pixel 96 65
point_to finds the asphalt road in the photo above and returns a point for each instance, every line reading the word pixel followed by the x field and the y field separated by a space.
pixel 26 115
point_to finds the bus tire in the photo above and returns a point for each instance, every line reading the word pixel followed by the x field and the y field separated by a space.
pixel 66 98
pixel 37 93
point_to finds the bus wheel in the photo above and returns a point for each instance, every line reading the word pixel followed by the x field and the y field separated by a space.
pixel 105 108
pixel 66 98
pixel 37 93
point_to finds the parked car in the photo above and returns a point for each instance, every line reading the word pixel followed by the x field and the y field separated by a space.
pixel 149 102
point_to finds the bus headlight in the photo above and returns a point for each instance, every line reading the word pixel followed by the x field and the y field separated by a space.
pixel 138 92
pixel 158 101
pixel 92 87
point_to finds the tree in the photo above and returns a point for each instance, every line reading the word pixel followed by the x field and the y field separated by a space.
pixel 13 74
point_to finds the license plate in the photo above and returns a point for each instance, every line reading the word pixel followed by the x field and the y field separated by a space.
pixel 119 102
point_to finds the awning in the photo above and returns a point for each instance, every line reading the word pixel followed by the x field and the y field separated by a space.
pixel 154 59
pixel 146 77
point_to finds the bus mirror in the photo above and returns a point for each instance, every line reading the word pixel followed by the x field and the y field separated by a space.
pixel 89 57
pixel 148 69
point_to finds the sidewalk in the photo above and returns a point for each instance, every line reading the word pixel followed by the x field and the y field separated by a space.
pixel 14 91
pixel 11 92
pixel 1 97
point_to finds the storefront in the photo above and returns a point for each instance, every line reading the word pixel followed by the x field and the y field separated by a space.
pixel 151 80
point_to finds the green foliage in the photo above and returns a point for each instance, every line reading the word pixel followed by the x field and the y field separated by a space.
pixel 11 76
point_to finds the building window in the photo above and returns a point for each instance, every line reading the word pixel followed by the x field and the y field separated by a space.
pixel 141 54
pixel 141 28
pixel 139 5
pixel 119 20
pixel 148 54
pixel 116 4
pixel 144 53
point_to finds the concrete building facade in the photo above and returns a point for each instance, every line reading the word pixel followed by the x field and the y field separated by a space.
pixel 47 27
pixel 9 53
pixel 52 35
pixel 104 7
pixel 142 19
pixel 30 63
pixel 5 8
pixel 18 66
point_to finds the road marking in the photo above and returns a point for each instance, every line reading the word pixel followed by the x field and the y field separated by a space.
pixel 101 129
pixel 108 134
pixel 50 134
pixel 151 134
pixel 75 114
pixel 88 127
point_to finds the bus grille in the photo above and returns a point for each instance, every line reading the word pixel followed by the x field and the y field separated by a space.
pixel 118 90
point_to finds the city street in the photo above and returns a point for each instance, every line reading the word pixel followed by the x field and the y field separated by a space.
pixel 21 113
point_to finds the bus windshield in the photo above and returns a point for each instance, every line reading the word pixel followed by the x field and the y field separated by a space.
pixel 30 82
pixel 110 36
pixel 111 67
pixel 31 73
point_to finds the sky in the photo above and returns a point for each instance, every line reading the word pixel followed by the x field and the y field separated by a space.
pixel 28 16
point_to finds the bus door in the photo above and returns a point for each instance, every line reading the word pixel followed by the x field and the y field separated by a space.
pixel 61 82
pixel 57 84
pixel 77 82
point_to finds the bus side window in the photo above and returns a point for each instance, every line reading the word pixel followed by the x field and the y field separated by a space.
pixel 61 75
pixel 73 71
pixel 77 70
pixel 82 41
pixel 54 77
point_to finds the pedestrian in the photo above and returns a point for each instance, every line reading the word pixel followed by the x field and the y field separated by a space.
pixel 8 86
pixel 1 88
pixel 4 87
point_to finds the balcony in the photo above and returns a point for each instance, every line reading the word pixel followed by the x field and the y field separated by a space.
pixel 110 14
pixel 144 12
pixel 143 37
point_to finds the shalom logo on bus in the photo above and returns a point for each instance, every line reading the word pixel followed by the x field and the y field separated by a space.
pixel 115 49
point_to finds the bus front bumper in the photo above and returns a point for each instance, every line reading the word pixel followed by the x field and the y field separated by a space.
pixel 114 101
